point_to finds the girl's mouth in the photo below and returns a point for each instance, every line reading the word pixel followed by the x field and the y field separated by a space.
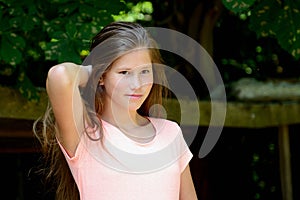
pixel 134 96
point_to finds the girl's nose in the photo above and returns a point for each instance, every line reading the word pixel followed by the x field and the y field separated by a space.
pixel 135 82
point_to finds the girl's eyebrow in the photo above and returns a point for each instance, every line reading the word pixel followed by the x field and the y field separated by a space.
pixel 124 68
pixel 131 68
pixel 146 65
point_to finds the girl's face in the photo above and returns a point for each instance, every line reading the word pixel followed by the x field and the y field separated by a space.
pixel 129 81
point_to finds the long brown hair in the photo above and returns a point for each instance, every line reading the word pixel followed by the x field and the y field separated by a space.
pixel 113 41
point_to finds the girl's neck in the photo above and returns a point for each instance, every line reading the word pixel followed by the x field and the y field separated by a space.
pixel 124 119
pixel 131 124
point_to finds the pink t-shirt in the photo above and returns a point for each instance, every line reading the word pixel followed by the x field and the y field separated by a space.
pixel 116 167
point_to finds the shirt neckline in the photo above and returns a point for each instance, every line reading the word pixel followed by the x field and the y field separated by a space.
pixel 126 138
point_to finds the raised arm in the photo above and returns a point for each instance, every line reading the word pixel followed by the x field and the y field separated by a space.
pixel 62 86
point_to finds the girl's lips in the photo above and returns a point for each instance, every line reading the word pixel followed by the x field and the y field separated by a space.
pixel 134 95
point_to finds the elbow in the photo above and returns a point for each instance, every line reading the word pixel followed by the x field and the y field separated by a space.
pixel 58 78
pixel 58 74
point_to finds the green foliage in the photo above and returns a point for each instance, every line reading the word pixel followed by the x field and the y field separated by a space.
pixel 33 32
pixel 137 12
pixel 262 163
pixel 268 18
pixel 238 6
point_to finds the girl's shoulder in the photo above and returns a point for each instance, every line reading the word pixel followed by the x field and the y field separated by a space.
pixel 164 124
pixel 163 120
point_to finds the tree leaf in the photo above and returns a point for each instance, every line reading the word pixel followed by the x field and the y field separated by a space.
pixel 8 52
pixel 29 22
pixel 238 6
pixel 16 41
pixel 71 30
pixel 68 52
pixel 26 87
pixel 68 8
pixel 87 31
pixel 279 20
pixel 59 35
pixel 51 50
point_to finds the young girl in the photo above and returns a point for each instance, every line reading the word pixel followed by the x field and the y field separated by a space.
pixel 102 136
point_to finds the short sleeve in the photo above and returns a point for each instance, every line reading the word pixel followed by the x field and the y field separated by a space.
pixel 183 153
pixel 77 153
pixel 185 159
pixel 186 154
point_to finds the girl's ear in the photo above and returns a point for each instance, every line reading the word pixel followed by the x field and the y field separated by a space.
pixel 101 82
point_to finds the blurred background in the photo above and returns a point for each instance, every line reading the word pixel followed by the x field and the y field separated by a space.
pixel 255 45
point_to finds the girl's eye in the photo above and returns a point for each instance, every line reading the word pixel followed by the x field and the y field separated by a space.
pixel 124 72
pixel 145 71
